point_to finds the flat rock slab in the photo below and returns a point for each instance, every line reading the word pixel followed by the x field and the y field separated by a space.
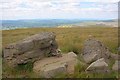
pixel 49 67
pixel 98 66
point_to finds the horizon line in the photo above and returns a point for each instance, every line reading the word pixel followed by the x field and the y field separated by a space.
pixel 61 19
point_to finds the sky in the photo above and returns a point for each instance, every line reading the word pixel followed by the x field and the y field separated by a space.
pixel 58 9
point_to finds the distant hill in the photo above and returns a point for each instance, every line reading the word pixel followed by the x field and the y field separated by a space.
pixel 113 20
pixel 11 24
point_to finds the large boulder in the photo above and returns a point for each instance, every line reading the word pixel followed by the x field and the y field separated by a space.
pixel 94 50
pixel 49 67
pixel 30 49
pixel 116 66
pixel 98 66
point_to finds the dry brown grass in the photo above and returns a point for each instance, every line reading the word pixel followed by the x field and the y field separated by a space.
pixel 69 39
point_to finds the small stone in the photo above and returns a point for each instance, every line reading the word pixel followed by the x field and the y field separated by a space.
pixel 54 70
pixel 98 66
pixel 116 66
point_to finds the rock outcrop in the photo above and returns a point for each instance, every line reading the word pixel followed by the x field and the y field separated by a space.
pixel 30 49
pixel 98 66
pixel 98 56
pixel 49 67
pixel 94 50
pixel 39 47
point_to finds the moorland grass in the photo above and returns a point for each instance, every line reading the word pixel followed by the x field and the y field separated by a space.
pixel 69 39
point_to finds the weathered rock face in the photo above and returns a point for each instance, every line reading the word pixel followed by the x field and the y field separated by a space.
pixel 51 71
pixel 30 49
pixel 115 56
pixel 49 67
pixel 116 66
pixel 94 50
pixel 98 66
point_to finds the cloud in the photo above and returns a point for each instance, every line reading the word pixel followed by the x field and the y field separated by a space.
pixel 20 9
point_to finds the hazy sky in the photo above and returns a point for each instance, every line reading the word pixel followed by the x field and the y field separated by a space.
pixel 53 9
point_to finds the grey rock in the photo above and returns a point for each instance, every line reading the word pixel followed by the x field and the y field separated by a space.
pixel 115 56
pixel 116 66
pixel 98 66
pixel 118 49
pixel 54 70
pixel 94 50
pixel 49 67
pixel 30 49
